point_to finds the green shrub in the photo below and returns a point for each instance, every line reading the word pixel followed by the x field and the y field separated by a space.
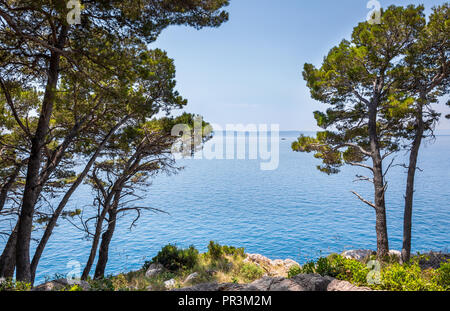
pixel 393 276
pixel 217 251
pixel 104 284
pixel 175 259
pixel 355 272
pixel 309 267
pixel 251 272
pixel 74 288
pixel 294 270
pixel 398 277
pixel 233 251
pixel 348 270
pixel 442 277
pixel 335 266
pixel 324 267
pixel 12 285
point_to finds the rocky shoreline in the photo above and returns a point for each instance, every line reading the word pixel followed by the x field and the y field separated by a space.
pixel 275 277
pixel 299 283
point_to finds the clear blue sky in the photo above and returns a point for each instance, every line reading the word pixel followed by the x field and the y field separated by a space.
pixel 249 69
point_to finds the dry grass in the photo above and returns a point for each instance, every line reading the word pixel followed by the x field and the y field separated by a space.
pixel 228 269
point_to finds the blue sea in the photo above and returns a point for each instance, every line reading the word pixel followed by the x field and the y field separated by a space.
pixel 292 212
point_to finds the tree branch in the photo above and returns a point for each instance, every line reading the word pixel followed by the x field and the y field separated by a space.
pixel 364 200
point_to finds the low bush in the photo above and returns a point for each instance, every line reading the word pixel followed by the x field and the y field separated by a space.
pixel 349 270
pixel 309 268
pixel 74 288
pixel 234 251
pixel 12 285
pixel 175 259
pixel 390 276
pixel 251 272
pixel 442 277
pixel 409 277
pixel 217 251
pixel 294 270
pixel 335 266
pixel 325 267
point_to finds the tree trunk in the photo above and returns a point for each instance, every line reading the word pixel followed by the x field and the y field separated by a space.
pixel 52 223
pixel 380 210
pixel 409 196
pixel 114 196
pixel 8 258
pixel 30 194
pixel 379 185
pixel 104 246
pixel 97 234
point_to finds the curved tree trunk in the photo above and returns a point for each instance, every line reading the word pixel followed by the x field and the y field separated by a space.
pixel 409 196
pixel 98 231
pixel 94 246
pixel 104 246
pixel 30 194
pixel 108 206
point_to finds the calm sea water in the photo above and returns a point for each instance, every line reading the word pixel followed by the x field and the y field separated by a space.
pixel 293 212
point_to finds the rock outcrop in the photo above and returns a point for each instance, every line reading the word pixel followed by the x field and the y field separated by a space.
pixel 344 286
pixel 273 268
pixel 299 283
pixel 170 284
pixel 192 277
pixel 363 254
pixel 358 254
pixel 154 269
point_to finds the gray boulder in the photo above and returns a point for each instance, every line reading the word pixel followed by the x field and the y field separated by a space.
pixel 357 254
pixel 299 283
pixel 344 286
pixel 154 270
pixel 396 253
pixel 313 282
pixel 277 284
pixel 170 284
pixel 192 277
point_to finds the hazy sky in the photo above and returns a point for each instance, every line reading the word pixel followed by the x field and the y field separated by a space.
pixel 249 69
